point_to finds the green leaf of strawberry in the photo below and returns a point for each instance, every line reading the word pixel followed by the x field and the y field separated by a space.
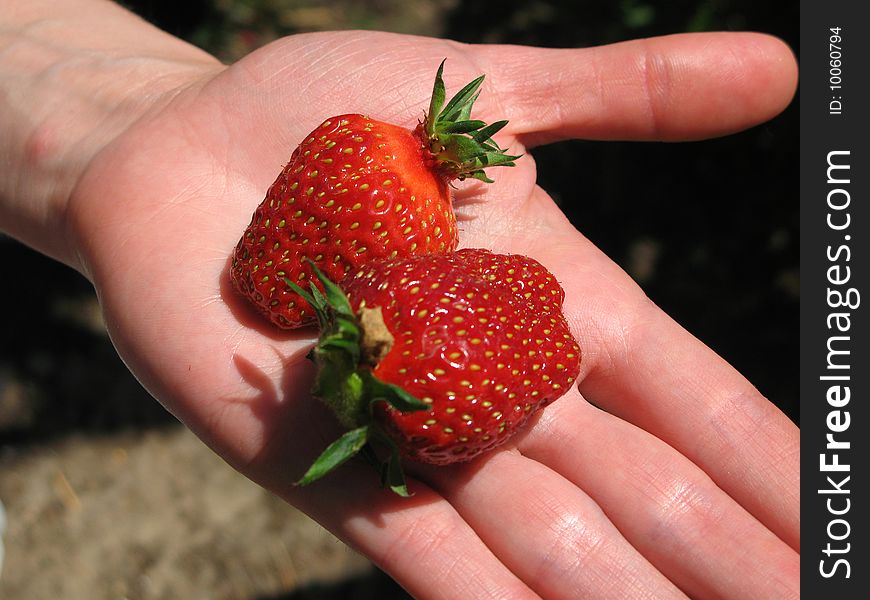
pixel 339 452
pixel 445 129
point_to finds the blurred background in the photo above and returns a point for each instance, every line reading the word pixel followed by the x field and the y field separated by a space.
pixel 106 496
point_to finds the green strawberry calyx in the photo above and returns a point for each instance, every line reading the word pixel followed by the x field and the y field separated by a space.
pixel 460 146
pixel 350 345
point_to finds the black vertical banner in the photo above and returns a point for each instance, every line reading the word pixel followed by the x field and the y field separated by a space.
pixel 835 262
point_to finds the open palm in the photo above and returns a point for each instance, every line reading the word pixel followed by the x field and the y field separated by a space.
pixel 663 472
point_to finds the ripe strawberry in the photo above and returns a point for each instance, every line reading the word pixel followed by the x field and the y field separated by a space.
pixel 441 357
pixel 356 190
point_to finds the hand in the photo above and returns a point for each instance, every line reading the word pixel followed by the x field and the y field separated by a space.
pixel 683 477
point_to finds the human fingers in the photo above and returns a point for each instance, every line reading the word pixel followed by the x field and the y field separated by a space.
pixel 422 542
pixel 547 531
pixel 663 504
pixel 675 87
pixel 653 373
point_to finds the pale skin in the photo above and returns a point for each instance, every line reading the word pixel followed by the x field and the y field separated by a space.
pixel 138 159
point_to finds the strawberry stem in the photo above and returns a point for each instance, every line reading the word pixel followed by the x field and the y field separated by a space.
pixel 461 147
pixel 346 384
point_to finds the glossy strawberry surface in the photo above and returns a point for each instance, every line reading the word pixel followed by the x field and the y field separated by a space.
pixel 354 190
pixel 479 337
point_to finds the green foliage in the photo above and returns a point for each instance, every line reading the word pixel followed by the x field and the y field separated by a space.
pixel 462 145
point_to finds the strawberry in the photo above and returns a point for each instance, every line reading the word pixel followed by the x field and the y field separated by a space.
pixel 439 357
pixel 356 190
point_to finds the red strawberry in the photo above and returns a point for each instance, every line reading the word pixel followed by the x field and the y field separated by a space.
pixel 356 190
pixel 462 349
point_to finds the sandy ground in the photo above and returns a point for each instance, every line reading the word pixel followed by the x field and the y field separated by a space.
pixel 158 515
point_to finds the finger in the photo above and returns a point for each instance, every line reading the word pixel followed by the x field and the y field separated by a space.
pixel 686 526
pixel 656 375
pixel 422 542
pixel 548 532
pixel 675 87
